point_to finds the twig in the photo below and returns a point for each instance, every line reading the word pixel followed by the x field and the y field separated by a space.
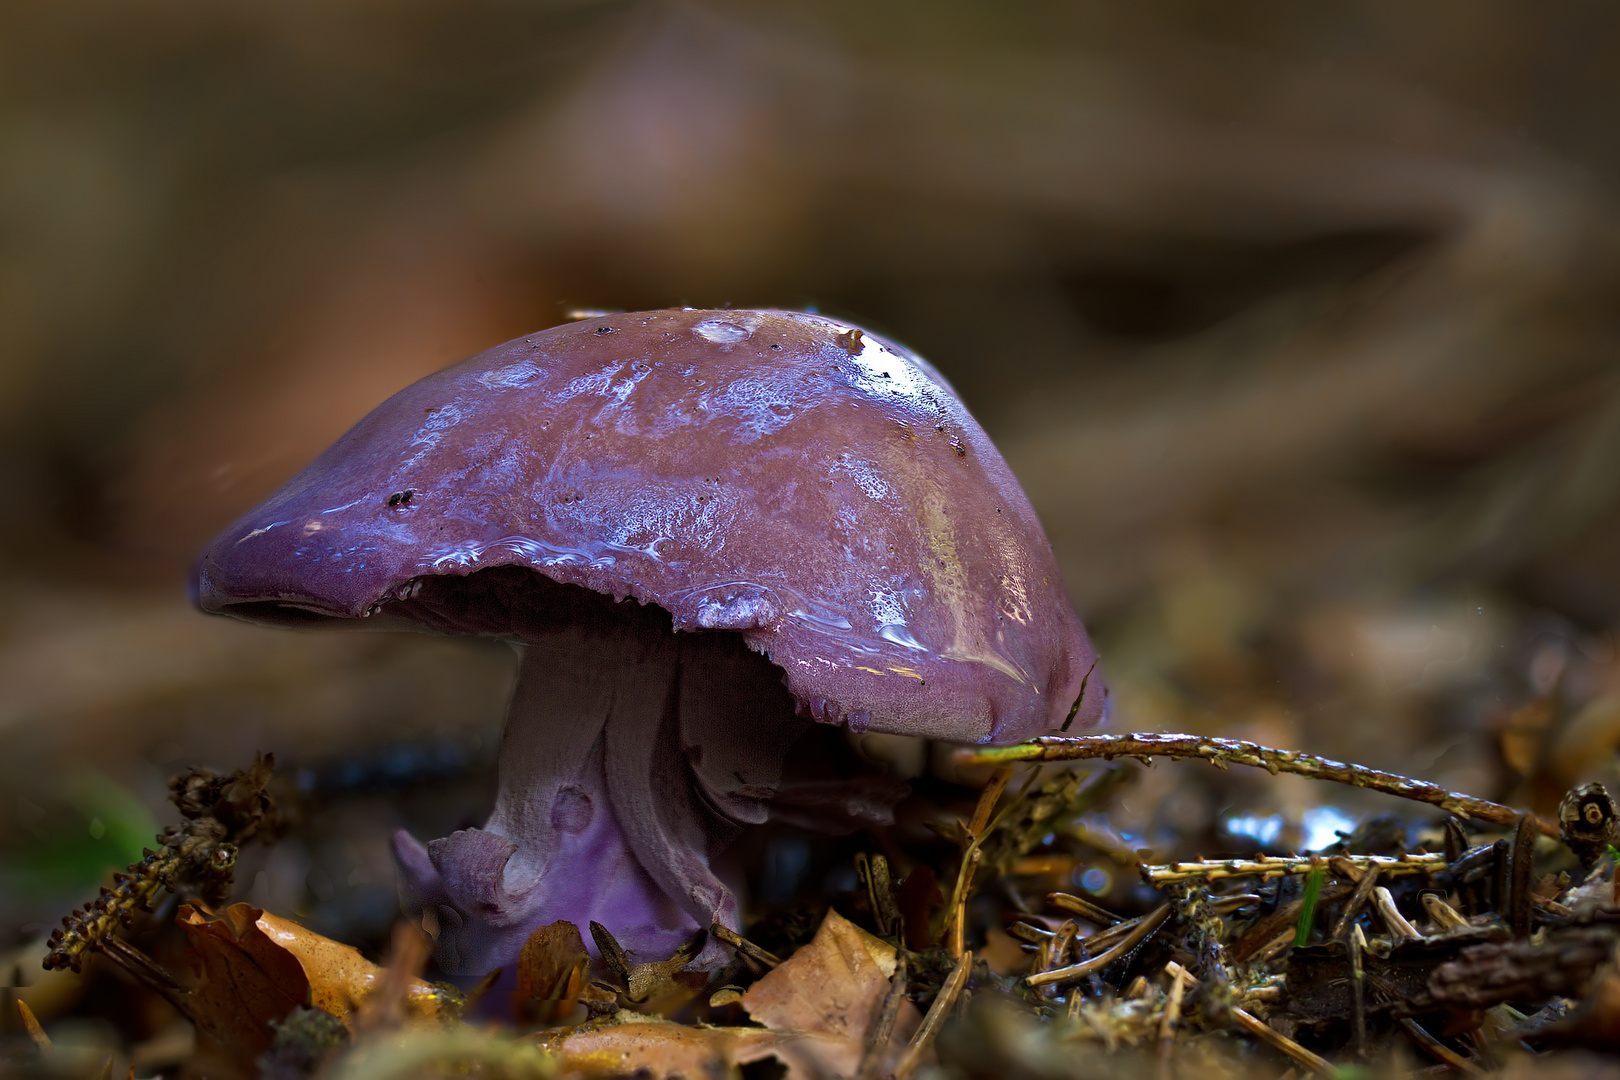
pixel 1358 899
pixel 1167 1024
pixel 1107 938
pixel 1357 947
pixel 1266 867
pixel 1262 1031
pixel 924 1038
pixel 743 945
pixel 1518 897
pixel 1394 921
pixel 1141 930
pixel 145 970
pixel 873 873
pixel 1224 752
pixel 1079 905
pixel 1446 918
pixel 1438 1049
pixel 221 813
pixel 877 1039
pixel 972 836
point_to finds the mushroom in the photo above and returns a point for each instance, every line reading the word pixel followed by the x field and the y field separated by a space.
pixel 816 534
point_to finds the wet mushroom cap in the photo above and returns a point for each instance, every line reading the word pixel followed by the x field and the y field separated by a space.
pixel 786 476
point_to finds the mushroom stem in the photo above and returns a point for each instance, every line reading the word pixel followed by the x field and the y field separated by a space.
pixel 595 819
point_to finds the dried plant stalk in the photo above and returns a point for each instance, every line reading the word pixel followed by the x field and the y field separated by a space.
pixel 743 945
pixel 1258 1028
pixel 220 814
pixel 924 1036
pixel 1224 752
pixel 1266 867
pixel 1143 927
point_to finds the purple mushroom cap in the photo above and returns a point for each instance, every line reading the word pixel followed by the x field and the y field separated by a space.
pixel 814 527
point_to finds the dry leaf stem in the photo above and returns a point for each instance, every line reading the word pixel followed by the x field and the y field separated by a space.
pixel 221 813
pixel 1168 1022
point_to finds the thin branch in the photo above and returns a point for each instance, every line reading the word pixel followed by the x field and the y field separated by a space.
pixel 877 1039
pixel 924 1037
pixel 1142 929
pixel 1437 1049
pixel 973 835
pixel 1267 867
pixel 1264 1032
pixel 1224 752
pixel 743 945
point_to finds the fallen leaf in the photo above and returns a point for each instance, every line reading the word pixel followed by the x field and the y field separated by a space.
pixel 832 986
pixel 654 1049
pixel 340 978
pixel 551 972
pixel 818 1007
pixel 243 980
pixel 253 967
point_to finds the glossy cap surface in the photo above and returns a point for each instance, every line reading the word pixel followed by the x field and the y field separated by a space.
pixel 782 475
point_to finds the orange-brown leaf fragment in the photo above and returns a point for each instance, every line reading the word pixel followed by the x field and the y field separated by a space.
pixel 244 980
pixel 339 977
pixel 551 972
pixel 833 986
pixel 252 967
pixel 659 1050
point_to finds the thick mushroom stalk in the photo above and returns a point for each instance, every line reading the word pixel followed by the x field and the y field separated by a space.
pixel 632 755
pixel 594 820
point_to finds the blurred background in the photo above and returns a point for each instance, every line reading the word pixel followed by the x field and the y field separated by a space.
pixel 1299 323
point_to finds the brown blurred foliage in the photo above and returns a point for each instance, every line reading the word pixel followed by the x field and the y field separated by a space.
pixel 1298 322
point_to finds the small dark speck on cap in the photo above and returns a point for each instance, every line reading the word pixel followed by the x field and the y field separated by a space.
pixel 401 498
pixel 604 330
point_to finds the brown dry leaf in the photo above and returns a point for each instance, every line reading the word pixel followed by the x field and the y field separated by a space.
pixel 254 967
pixel 832 986
pixel 339 977
pixel 657 1049
pixel 244 980
pixel 817 1008
pixel 551 972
